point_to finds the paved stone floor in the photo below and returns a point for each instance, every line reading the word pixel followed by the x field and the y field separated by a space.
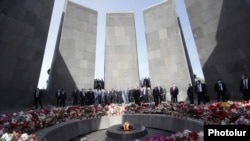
pixel 101 135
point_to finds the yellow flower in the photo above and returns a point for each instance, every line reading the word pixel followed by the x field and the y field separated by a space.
pixel 224 104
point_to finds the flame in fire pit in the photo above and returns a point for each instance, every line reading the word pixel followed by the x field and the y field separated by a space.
pixel 126 126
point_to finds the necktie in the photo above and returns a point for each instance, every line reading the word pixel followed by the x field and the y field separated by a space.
pixel 37 93
pixel 221 89
pixel 200 89
pixel 245 84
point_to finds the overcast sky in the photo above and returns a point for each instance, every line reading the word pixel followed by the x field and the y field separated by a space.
pixel 103 7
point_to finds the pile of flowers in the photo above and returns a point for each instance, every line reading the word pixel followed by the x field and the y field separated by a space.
pixel 186 135
pixel 22 125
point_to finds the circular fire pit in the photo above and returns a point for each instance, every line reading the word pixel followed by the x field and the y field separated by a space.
pixel 135 131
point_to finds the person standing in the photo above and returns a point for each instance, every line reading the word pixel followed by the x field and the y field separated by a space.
pixel 160 89
pixel 220 90
pixel 38 98
pixel 156 95
pixel 201 90
pixel 245 87
pixel 63 98
pixel 75 97
pixel 190 93
pixel 82 97
pixel 136 95
pixel 90 97
pixel 58 100
pixel 174 91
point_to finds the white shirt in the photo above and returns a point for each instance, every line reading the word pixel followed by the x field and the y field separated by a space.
pixel 245 82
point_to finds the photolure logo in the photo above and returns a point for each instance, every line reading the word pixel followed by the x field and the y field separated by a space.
pixel 241 132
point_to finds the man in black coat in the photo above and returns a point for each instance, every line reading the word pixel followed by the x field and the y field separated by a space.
pixel 90 97
pixel 38 98
pixel 136 95
pixel 156 95
pixel 82 97
pixel 58 99
pixel 63 98
pixel 75 97
pixel 190 93
pixel 245 87
pixel 220 90
pixel 201 91
pixel 174 91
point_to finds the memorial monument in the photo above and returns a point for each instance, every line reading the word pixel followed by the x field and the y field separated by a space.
pixel 73 63
pixel 167 58
pixel 121 67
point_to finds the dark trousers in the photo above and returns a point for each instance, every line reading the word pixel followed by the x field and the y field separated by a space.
pixel 201 98
pixel 191 98
pixel 58 102
pixel 246 95
pixel 221 96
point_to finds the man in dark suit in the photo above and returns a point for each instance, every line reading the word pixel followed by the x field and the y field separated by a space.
pixel 38 98
pixel 201 90
pixel 58 99
pixel 190 93
pixel 75 97
pixel 245 87
pixel 220 90
pixel 156 95
pixel 63 98
pixel 174 91
pixel 82 97
pixel 136 94
pixel 90 97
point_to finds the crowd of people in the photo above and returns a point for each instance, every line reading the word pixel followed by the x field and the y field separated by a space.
pixel 90 96
pixel 141 94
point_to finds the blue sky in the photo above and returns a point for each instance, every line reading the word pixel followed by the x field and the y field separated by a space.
pixel 103 7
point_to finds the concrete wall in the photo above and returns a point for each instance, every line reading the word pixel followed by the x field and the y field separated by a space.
pixel 166 53
pixel 24 28
pixel 73 63
pixel 221 31
pixel 121 61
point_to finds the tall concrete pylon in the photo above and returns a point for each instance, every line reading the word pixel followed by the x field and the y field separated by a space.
pixel 167 58
pixel 73 64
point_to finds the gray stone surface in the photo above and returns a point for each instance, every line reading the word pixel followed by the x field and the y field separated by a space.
pixel 24 28
pixel 100 135
pixel 121 61
pixel 73 64
pixel 221 31
pixel 166 53
pixel 71 129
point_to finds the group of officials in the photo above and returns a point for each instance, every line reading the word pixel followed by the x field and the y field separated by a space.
pixel 220 89
pixel 140 95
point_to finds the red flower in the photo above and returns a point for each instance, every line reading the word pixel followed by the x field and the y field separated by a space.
pixel 194 136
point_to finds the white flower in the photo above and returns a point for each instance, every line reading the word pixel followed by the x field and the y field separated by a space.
pixel 234 111
pixel 83 139
pixel 28 117
pixel 201 135
pixel 186 131
pixel 7 137
pixel 223 122
pixel 25 136
pixel 42 117
pixel 21 113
